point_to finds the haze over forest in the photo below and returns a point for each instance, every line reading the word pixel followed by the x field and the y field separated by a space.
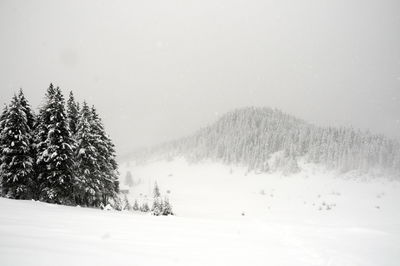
pixel 160 70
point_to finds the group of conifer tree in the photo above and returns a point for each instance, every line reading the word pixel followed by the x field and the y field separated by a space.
pixel 60 155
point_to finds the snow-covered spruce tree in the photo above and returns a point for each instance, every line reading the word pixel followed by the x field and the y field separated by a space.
pixel 135 206
pixel 144 207
pixel 166 207
pixel 40 145
pixel 31 122
pixel 30 116
pixel 97 166
pixel 55 158
pixel 160 207
pixel 2 121
pixel 106 159
pixel 157 207
pixel 3 116
pixel 16 162
pixel 90 184
pixel 116 203
pixel 72 113
pixel 127 204
pixel 156 191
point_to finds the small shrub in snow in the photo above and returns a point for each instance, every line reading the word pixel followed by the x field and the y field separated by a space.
pixel 117 204
pixel 144 207
pixel 127 205
pixel 135 206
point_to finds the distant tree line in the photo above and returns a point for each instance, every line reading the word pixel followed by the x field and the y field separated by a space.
pixel 264 139
pixel 60 155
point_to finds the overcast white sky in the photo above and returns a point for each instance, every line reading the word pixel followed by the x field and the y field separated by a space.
pixel 160 69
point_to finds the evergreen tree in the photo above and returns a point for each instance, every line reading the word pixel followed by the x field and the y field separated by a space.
pixel 72 114
pixel 166 207
pixel 31 122
pixel 127 205
pixel 145 207
pixel 106 159
pixel 116 203
pixel 135 206
pixel 3 116
pixel 156 191
pixel 16 162
pixel 90 183
pixel 40 146
pixel 156 209
pixel 98 180
pixel 55 159
pixel 30 116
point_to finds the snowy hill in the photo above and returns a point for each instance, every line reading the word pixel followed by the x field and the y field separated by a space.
pixel 267 140
pixel 301 220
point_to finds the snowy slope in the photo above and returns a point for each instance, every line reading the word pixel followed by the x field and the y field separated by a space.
pixel 285 221
pixel 214 190
pixel 33 233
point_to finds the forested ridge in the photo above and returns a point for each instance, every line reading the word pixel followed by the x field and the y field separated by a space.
pixel 265 139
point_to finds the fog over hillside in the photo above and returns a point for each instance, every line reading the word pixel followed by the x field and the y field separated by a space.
pixel 265 139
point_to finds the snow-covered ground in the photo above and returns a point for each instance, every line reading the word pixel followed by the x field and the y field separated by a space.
pixel 213 190
pixel 312 218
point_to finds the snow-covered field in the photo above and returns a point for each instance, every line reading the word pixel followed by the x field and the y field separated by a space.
pixel 224 217
pixel 213 190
